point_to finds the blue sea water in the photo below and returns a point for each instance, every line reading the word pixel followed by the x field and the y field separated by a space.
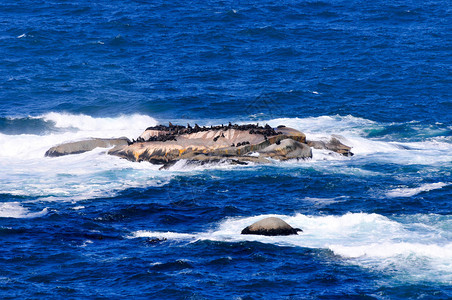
pixel 377 225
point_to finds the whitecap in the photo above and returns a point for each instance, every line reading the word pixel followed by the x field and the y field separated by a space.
pixel 17 211
pixel 372 241
pixel 86 243
pixel 26 172
pixel 163 235
pixel 90 124
pixel 386 250
pixel 93 174
pixel 409 192
pixel 78 207
pixel 353 131
pixel 325 201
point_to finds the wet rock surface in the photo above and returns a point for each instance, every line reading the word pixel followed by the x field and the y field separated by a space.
pixel 334 145
pixel 84 146
pixel 271 227
pixel 237 144
pixel 231 143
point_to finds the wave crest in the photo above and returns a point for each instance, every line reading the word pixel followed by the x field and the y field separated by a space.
pixel 369 240
pixel 88 123
pixel 17 211
pixel 409 192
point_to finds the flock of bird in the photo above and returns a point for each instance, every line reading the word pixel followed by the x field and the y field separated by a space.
pixel 172 131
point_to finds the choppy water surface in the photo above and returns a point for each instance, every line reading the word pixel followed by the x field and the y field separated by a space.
pixel 377 224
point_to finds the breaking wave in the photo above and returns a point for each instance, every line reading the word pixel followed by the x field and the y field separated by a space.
pixel 17 211
pixel 27 172
pixel 418 246
pixel 409 192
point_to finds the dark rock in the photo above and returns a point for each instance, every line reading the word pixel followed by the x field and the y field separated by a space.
pixel 334 145
pixel 271 227
pixel 155 240
pixel 286 149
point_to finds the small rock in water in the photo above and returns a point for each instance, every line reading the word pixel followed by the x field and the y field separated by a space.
pixel 155 240
pixel 271 227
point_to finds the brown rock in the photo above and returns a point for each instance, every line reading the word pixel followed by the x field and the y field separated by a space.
pixel 226 143
pixel 217 143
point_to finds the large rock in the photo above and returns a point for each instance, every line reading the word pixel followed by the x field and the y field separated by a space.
pixel 293 133
pixel 333 145
pixel 271 226
pixel 233 143
pixel 286 149
pixel 84 146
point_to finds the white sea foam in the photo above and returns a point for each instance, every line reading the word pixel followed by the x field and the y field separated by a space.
pixel 387 250
pixel 125 123
pixel 26 172
pixel 408 192
pixel 77 127
pixel 86 243
pixel 161 235
pixel 183 166
pixel 352 131
pixel 415 246
pixel 17 211
pixel 325 125
pixel 320 202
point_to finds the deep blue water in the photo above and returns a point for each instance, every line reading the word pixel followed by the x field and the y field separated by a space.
pixel 376 225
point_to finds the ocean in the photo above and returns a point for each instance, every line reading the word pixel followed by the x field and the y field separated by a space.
pixel 377 225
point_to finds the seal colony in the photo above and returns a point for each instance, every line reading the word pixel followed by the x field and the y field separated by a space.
pixel 232 143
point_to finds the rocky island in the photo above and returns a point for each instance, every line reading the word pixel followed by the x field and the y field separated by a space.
pixel 232 143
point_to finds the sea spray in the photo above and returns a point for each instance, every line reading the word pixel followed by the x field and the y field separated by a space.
pixel 369 240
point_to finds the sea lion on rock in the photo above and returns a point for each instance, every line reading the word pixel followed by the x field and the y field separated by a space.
pixel 271 227
pixel 232 143
pixel 165 149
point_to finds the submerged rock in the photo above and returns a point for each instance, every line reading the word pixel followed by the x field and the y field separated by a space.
pixel 84 146
pixel 271 227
